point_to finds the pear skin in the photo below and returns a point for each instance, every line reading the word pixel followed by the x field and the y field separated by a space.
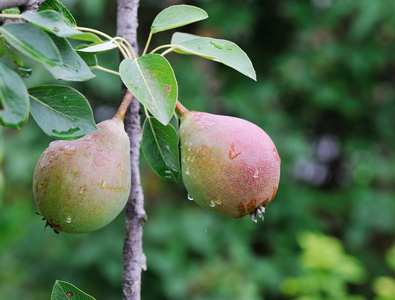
pixel 230 166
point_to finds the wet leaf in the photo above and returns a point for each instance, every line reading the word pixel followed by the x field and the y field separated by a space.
pixel 73 67
pixel 51 21
pixel 160 148
pixel 65 291
pixel 223 51
pixel 32 42
pixel 151 79
pixel 61 111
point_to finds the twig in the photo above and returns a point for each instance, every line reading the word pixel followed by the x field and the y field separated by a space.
pixel 24 6
pixel 133 255
pixel 12 3
pixel 31 6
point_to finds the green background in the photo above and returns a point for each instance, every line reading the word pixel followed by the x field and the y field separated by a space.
pixel 325 94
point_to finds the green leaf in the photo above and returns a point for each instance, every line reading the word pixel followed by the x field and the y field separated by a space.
pixel 73 67
pixel 63 290
pixel 99 47
pixel 89 58
pixel 3 49
pixel 176 16
pixel 61 111
pixel 11 11
pixel 60 8
pixel 51 21
pixel 219 50
pixel 180 37
pixel 151 79
pixel 390 257
pixel 14 100
pixel 16 58
pixel 32 42
pixel 87 37
pixel 23 71
pixel 160 148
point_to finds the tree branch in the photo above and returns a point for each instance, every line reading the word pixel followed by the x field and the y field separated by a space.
pixel 12 3
pixel 133 256
pixel 26 5
pixel 31 5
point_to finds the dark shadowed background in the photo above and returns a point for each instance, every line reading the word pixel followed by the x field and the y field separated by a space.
pixel 325 94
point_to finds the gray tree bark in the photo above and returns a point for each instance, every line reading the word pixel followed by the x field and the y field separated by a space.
pixel 26 5
pixel 134 260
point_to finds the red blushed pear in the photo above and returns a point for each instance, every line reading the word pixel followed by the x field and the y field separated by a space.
pixel 230 166
pixel 82 185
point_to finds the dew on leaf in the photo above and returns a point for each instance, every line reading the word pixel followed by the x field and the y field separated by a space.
pixel 215 45
pixel 25 72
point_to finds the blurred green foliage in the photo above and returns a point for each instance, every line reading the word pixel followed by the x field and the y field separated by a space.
pixel 325 94
pixel 326 270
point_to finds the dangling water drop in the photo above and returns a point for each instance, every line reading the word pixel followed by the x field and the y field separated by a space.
pixel 25 72
pixel 259 211
pixel 252 215
pixel 190 198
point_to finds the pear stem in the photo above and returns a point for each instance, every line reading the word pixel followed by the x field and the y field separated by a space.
pixel 120 115
pixel 180 109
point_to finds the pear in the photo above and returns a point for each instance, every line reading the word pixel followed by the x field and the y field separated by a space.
pixel 230 166
pixel 81 185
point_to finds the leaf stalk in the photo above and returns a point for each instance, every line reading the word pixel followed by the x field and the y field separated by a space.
pixel 127 99
pixel 180 109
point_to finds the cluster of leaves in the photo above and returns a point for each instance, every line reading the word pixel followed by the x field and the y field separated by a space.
pixel 327 69
pixel 326 270
pixel 63 113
